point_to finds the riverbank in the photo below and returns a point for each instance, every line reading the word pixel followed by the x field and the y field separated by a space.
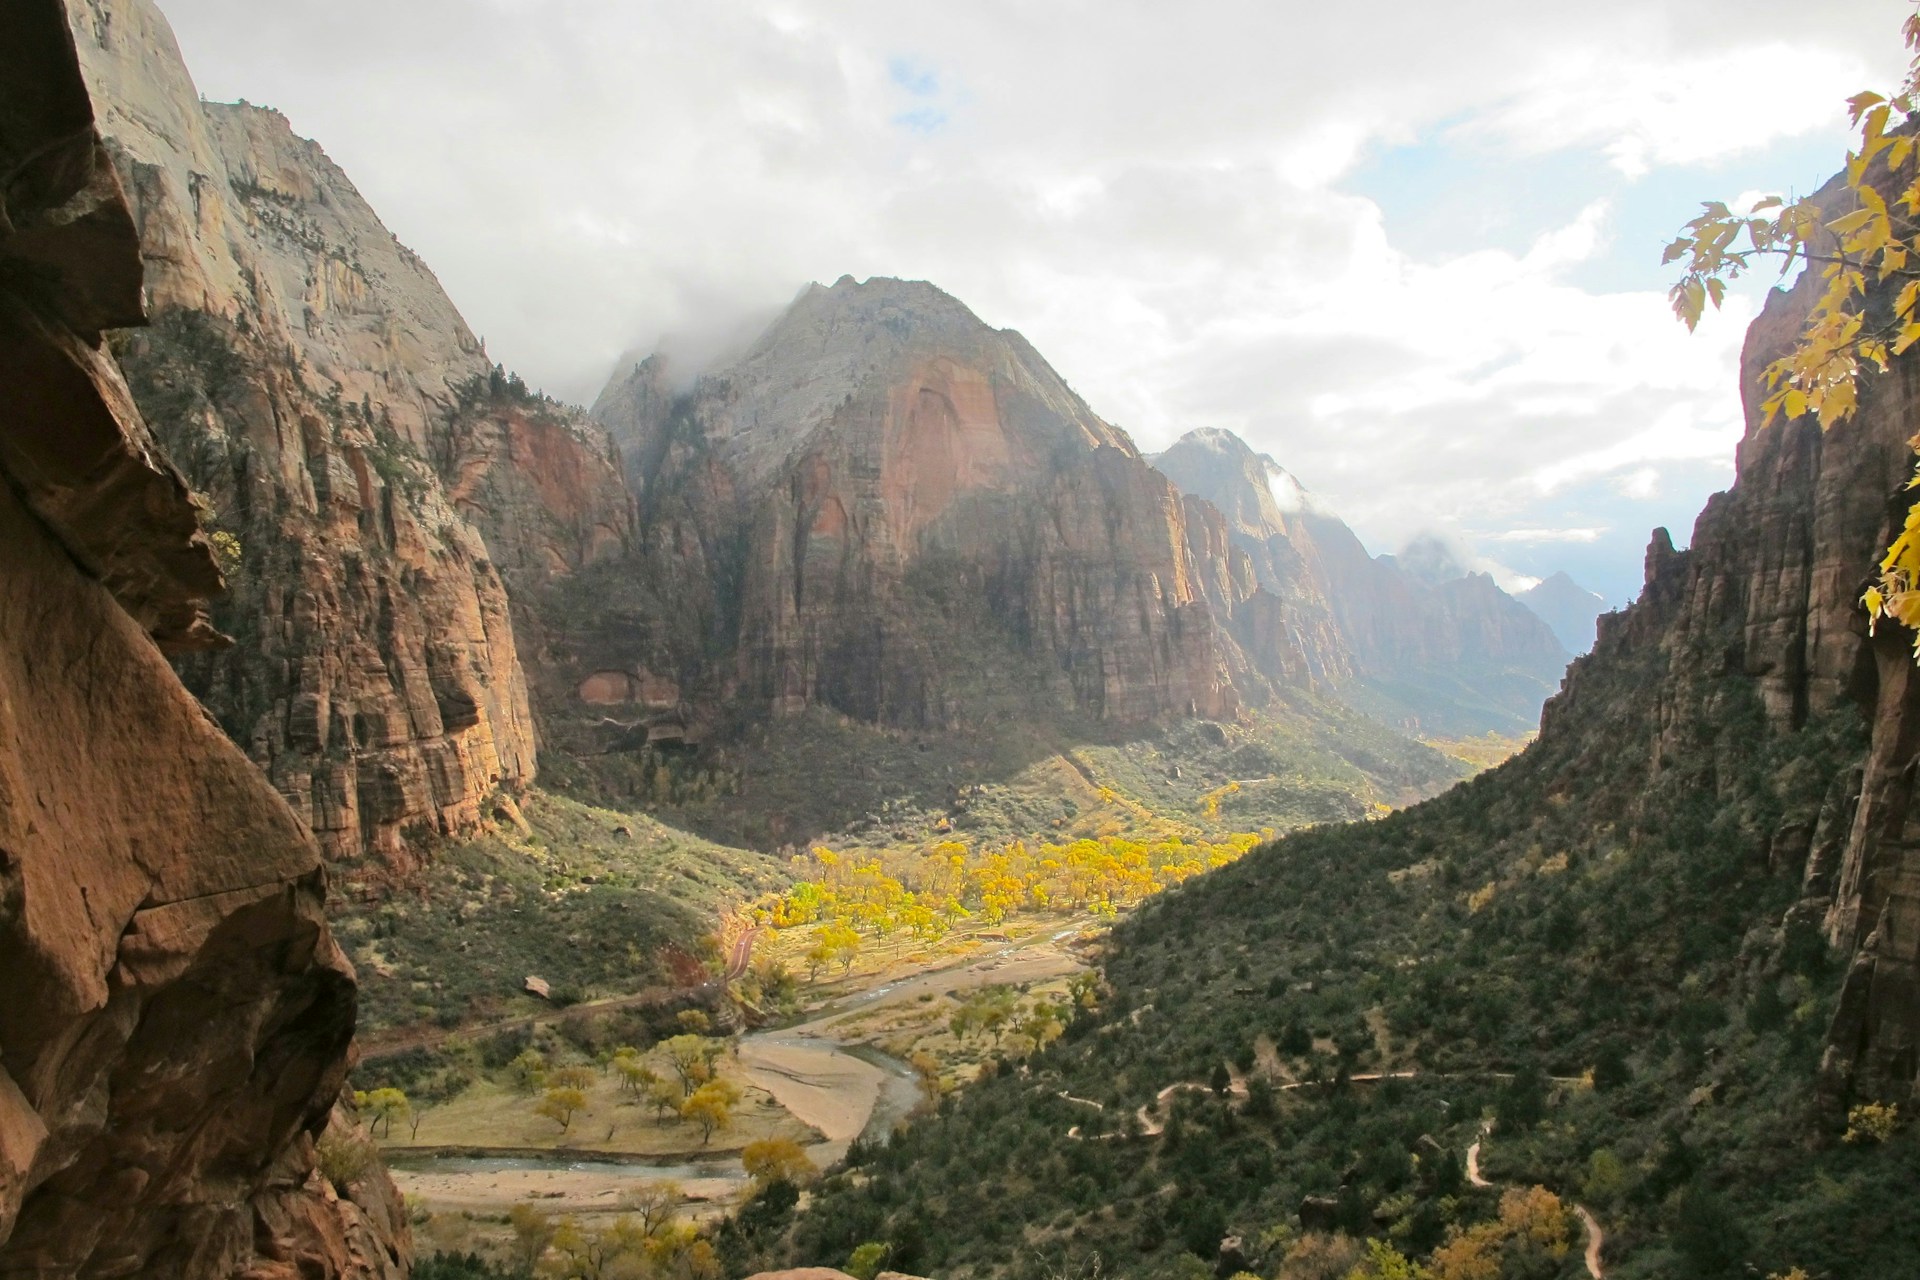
pixel 834 1075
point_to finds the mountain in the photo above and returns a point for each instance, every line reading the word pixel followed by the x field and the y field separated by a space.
pixel 1661 965
pixel 373 481
pixel 1569 608
pixel 1414 639
pixel 176 1018
pixel 881 488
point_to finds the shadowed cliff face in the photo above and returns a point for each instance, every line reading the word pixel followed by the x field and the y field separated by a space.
pixel 881 477
pixel 1456 655
pixel 175 1020
pixel 375 482
pixel 1770 591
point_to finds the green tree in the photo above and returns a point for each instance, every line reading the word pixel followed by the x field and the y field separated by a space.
pixel 865 1262
pixel 533 1230
pixel 382 1106
pixel 528 1072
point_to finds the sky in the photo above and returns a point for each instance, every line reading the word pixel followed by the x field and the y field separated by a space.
pixel 1409 248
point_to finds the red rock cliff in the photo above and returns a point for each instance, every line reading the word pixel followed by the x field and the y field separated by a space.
pixel 881 490
pixel 376 483
pixel 175 1020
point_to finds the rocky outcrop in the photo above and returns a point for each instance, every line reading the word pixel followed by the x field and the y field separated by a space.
pixel 1444 651
pixel 176 1019
pixel 887 508
pixel 373 481
pixel 1768 593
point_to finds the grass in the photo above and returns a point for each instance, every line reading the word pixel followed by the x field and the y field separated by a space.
pixel 596 902
pixel 493 1115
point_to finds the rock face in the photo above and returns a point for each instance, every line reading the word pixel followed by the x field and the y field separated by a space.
pixel 1439 650
pixel 373 480
pixel 1769 591
pixel 882 490
pixel 1569 608
pixel 176 1018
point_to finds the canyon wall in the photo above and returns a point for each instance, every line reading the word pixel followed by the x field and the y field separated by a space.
pixel 175 1023
pixel 1769 592
pixel 887 508
pixel 1456 655
pixel 374 484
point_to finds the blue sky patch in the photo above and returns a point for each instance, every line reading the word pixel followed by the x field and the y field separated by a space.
pixel 914 76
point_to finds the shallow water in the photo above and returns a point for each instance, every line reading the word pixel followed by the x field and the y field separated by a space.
pixel 722 1167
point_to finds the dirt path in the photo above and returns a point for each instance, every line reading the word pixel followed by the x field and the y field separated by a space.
pixel 1596 1238
pixel 1152 1126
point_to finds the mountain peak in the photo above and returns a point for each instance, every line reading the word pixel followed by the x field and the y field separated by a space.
pixel 1566 606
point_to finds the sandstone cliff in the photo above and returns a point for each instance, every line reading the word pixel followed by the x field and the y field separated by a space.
pixel 1449 653
pixel 373 481
pixel 888 508
pixel 176 1018
pixel 1769 591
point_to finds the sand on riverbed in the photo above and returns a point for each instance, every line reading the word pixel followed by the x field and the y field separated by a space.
pixel 559 1190
pixel 808 1073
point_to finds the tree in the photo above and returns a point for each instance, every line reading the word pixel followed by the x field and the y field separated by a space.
pixel 663 1096
pixel 1868 307
pixel 842 943
pixel 688 1056
pixel 711 1107
pixel 528 1071
pixel 772 1160
pixel 560 1105
pixel 533 1231
pixel 865 1262
pixel 574 1077
pixel 655 1204
pixel 926 1070
pixel 381 1106
pixel 694 1021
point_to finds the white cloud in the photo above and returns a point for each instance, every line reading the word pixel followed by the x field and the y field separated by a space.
pixel 1543 535
pixel 1684 110
pixel 1151 193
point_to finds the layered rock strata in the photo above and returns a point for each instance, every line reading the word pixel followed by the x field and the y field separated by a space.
pixel 883 488
pixel 1454 654
pixel 373 481
pixel 175 1021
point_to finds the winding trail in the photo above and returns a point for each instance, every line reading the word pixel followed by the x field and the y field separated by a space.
pixel 1596 1237
pixel 1152 1126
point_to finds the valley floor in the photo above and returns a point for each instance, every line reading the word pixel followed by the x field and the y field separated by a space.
pixel 839 1073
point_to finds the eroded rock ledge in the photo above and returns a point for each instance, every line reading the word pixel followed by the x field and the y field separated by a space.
pixel 175 1019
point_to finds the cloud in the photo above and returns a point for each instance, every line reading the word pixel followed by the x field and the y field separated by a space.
pixel 1160 198
pixel 1543 535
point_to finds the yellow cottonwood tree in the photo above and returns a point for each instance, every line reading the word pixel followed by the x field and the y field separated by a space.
pixel 1868 309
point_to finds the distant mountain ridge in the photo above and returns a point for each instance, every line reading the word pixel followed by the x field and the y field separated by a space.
pixel 1569 608
pixel 1419 642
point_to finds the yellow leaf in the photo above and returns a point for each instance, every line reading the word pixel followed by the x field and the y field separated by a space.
pixel 1795 403
pixel 1851 223
pixel 1857 105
